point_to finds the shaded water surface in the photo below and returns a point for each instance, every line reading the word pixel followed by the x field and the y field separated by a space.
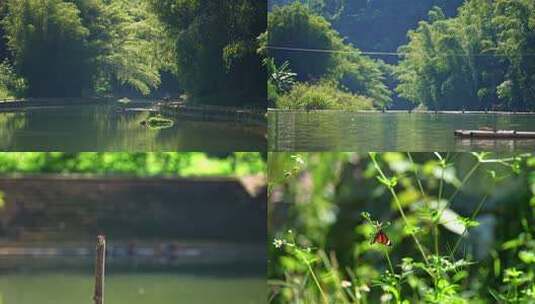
pixel 117 127
pixel 394 131
pixel 140 288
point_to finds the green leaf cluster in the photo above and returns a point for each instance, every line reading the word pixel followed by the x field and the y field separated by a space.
pixel 481 59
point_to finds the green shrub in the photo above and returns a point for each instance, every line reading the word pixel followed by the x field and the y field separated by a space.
pixel 11 85
pixel 322 96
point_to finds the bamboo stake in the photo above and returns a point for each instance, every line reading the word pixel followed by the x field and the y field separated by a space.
pixel 98 297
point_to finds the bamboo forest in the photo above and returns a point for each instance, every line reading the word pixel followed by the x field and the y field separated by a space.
pixel 121 67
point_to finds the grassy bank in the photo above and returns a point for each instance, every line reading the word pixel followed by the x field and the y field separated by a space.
pixel 322 96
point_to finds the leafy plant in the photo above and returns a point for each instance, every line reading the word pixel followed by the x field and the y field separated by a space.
pixel 430 260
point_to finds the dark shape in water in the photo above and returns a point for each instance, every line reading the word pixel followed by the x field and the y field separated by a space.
pixel 157 122
pixel 495 134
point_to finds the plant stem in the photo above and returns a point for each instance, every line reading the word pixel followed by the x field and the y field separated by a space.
pixel 474 214
pixel 420 186
pixel 437 221
pixel 323 295
pixel 387 255
pixel 465 179
pixel 400 209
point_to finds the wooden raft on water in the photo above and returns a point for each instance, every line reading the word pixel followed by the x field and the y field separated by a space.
pixel 498 134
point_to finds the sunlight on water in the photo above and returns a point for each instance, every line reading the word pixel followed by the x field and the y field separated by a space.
pixel 345 131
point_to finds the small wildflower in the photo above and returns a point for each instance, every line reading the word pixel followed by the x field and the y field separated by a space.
pixel 364 288
pixel 346 284
pixel 278 243
pixel 386 297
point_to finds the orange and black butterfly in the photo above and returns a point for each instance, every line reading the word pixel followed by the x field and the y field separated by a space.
pixel 381 238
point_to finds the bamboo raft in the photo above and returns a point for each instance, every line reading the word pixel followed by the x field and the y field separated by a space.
pixel 498 134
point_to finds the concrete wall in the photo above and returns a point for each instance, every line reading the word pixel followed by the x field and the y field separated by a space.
pixel 45 208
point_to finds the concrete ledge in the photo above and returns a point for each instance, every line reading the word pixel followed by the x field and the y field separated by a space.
pixel 17 104
pixel 218 113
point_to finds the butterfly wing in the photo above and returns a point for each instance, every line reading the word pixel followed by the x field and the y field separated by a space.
pixel 381 238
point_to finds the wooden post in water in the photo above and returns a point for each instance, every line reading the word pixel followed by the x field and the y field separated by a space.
pixel 100 262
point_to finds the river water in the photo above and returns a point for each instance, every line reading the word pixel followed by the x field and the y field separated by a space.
pixel 57 287
pixel 391 131
pixel 117 127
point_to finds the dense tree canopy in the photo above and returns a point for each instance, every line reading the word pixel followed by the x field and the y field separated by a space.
pixel 66 48
pixel 379 25
pixel 481 59
pixel 215 51
pixel 317 51
pixel 139 164
pixel 204 48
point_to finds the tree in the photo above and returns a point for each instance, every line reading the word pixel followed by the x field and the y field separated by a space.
pixel 215 47
pixel 75 48
pixel 480 59
pixel 315 51
pixel 50 46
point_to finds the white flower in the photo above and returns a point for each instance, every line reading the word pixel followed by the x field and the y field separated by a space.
pixel 364 288
pixel 278 243
pixel 386 297
pixel 346 284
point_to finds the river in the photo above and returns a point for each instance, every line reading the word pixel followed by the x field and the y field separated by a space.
pixel 57 287
pixel 391 131
pixel 117 127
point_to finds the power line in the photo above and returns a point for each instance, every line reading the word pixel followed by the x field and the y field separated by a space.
pixel 398 54
pixel 284 48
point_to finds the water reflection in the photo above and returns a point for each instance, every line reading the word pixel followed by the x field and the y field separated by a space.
pixel 112 127
pixel 362 132
pixel 158 288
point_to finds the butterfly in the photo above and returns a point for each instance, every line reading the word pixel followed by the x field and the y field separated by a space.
pixel 381 238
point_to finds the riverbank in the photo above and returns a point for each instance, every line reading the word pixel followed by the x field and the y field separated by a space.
pixel 275 110
pixel 17 104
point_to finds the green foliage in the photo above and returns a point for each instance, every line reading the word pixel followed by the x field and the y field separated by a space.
pixel 320 53
pixel 70 48
pixel 215 47
pixel 379 25
pixel 280 79
pixel 11 85
pixel 480 59
pixel 296 26
pixel 140 164
pixel 438 205
pixel 158 122
pixel 321 96
pixel 129 45
pixel 49 41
